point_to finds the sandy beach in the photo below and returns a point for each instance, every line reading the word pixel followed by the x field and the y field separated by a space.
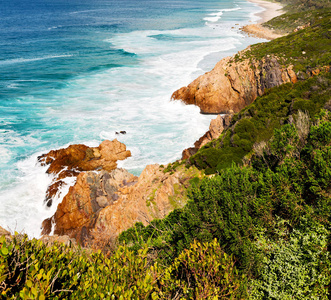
pixel 271 10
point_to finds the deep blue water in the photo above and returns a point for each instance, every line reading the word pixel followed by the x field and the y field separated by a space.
pixel 77 71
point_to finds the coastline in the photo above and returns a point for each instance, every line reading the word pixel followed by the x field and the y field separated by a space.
pixel 265 13
pixel 271 10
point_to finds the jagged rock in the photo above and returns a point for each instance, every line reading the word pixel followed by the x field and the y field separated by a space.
pixel 79 209
pixel 69 162
pixel 106 203
pixel 154 195
pixel 234 83
pixel 83 158
pixel 216 128
pixel 4 232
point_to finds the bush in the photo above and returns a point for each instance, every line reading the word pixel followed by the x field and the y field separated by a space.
pixel 203 271
pixel 296 264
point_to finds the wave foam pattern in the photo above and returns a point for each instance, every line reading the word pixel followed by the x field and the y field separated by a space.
pixel 132 94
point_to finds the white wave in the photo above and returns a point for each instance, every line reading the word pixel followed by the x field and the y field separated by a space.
pixel 22 208
pixel 135 99
pixel 26 60
pixel 5 155
pixel 214 17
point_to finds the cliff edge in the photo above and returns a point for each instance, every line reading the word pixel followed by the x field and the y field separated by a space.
pixel 234 83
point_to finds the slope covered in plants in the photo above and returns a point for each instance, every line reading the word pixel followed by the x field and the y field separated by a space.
pixel 257 226
pixel 308 50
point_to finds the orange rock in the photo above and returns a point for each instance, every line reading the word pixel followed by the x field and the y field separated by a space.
pixel 82 158
pixel 109 202
pixel 155 195
pixel 74 159
pixel 233 84
pixel 79 209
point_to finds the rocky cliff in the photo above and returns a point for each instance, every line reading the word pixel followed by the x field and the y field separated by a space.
pixel 70 161
pixel 106 203
pixel 234 83
pixel 102 203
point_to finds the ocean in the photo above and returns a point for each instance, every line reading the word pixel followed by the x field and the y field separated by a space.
pixel 78 71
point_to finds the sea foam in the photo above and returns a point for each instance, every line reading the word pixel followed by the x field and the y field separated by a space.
pixel 90 107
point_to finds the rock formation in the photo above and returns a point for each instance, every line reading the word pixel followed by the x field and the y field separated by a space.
pixel 234 83
pixel 71 161
pixel 154 195
pixel 106 203
pixel 91 192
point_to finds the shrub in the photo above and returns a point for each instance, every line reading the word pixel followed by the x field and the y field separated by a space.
pixel 203 271
pixel 296 264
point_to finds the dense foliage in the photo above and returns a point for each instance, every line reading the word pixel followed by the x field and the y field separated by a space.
pixel 256 122
pixel 273 215
pixel 31 270
pixel 258 228
pixel 306 49
pixel 299 13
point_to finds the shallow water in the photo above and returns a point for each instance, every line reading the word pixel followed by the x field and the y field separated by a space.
pixel 78 72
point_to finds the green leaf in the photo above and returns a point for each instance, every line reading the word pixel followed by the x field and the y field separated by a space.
pixel 29 283
pixel 4 251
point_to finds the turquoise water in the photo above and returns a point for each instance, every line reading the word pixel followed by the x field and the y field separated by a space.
pixel 78 71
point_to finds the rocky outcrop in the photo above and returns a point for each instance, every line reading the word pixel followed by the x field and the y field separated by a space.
pixel 71 161
pixel 216 128
pixel 155 195
pixel 258 30
pixel 234 83
pixel 79 209
pixel 106 203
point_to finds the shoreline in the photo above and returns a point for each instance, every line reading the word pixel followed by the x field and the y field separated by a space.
pixel 271 10
pixel 265 13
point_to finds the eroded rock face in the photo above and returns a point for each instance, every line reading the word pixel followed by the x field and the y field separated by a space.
pixel 106 203
pixel 234 84
pixel 69 162
pixel 154 195
pixel 79 209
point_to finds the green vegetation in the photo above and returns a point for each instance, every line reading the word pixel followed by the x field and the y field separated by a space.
pixel 299 13
pixel 31 270
pixel 258 228
pixel 256 123
pixel 306 49
pixel 273 216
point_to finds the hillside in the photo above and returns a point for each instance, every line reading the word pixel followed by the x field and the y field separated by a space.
pixel 256 224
